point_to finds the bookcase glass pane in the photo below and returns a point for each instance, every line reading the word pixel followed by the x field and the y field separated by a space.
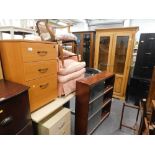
pixel 86 48
pixel 97 90
pixel 120 54
pixel 103 52
pixel 95 105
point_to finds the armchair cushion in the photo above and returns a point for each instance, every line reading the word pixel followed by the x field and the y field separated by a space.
pixel 71 66
pixel 71 76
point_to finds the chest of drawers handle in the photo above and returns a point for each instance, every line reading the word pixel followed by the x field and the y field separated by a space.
pixel 61 126
pixel 42 53
pixel 6 121
pixel 43 70
pixel 44 86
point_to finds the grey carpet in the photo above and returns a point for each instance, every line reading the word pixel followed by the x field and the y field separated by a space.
pixel 110 126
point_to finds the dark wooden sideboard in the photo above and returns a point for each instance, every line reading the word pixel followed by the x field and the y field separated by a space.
pixel 15 118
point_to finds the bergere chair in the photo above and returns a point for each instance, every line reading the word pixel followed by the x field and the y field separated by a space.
pixel 70 68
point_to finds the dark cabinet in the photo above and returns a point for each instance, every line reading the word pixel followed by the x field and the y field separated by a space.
pixel 93 101
pixel 145 56
pixel 14 109
pixel 85 46
pixel 139 83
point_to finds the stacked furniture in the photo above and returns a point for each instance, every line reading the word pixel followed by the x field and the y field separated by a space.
pixel 93 101
pixel 113 52
pixel 14 109
pixel 34 64
pixel 69 71
pixel 86 46
pixel 140 81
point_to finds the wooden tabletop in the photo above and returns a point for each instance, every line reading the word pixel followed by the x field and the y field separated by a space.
pixel 10 89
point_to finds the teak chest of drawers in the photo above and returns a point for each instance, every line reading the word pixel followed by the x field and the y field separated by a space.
pixel 34 64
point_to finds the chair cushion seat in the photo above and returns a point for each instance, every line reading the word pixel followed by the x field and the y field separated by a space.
pixel 71 66
pixel 71 76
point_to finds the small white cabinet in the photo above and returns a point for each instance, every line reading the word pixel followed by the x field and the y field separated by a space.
pixel 59 123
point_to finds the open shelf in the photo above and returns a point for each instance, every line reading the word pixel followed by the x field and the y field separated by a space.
pixel 109 88
pixel 97 125
pixel 104 103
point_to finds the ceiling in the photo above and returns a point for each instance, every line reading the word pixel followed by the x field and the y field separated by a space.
pixel 90 22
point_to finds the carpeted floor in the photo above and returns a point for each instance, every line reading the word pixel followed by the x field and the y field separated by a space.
pixel 110 126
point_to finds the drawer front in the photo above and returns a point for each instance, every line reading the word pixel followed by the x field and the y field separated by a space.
pixel 38 51
pixel 63 126
pixel 34 70
pixel 14 114
pixel 42 91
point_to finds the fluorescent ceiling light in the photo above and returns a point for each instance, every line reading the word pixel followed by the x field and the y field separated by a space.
pixel 62 24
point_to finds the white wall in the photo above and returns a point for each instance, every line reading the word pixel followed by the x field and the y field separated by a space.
pixel 145 26
pixel 80 27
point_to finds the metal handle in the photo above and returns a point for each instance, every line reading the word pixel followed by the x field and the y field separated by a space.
pixel 6 121
pixel 43 70
pixel 148 53
pixel 145 67
pixel 44 86
pixel 1 111
pixel 151 38
pixel 42 53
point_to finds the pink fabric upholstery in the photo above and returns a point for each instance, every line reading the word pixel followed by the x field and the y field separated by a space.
pixel 69 73
pixel 71 66
pixel 68 87
pixel 71 76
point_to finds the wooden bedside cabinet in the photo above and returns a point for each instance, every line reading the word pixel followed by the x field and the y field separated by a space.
pixel 34 64
pixel 14 109
pixel 59 123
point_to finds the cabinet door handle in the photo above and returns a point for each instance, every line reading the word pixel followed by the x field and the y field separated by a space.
pixel 148 53
pixel 151 38
pixel 44 86
pixel 145 67
pixel 6 121
pixel 42 53
pixel 43 70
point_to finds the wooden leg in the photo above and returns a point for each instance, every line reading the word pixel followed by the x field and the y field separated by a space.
pixel 122 116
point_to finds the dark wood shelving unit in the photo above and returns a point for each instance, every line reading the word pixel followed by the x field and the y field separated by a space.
pixel 93 102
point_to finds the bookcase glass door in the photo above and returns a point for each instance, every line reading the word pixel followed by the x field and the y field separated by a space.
pixel 103 56
pixel 78 43
pixel 86 48
pixel 120 54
